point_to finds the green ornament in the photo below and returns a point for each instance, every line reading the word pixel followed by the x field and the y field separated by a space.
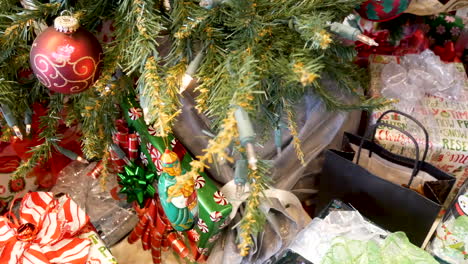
pixel 137 184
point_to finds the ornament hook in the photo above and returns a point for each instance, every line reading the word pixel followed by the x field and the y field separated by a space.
pixel 66 22
pixel 66 13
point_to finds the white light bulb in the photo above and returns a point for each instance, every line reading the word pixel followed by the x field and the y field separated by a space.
pixel 186 80
pixel 82 160
pixel 28 129
pixel 17 132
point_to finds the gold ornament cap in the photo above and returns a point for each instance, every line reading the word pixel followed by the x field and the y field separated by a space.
pixel 66 23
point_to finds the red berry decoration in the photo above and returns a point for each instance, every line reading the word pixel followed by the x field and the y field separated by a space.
pixel 25 76
pixel 66 58
pixel 16 185
pixel 382 10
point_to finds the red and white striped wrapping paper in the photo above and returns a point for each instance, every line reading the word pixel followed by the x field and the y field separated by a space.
pixel 49 231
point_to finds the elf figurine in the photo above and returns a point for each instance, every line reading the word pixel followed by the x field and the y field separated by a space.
pixel 181 208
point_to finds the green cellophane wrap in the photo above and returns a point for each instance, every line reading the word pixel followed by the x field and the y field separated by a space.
pixel 396 248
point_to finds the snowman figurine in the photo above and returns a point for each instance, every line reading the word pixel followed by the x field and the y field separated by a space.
pixel 462 205
pixel 451 241
pixel 181 208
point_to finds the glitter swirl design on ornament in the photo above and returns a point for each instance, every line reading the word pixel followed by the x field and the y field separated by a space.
pixel 56 79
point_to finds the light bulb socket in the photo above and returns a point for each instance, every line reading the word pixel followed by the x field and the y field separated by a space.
pixel 241 171
pixel 345 31
pixel 9 116
pixel 244 126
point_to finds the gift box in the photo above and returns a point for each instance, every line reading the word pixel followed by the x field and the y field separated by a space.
pixel 50 230
pixel 446 121
pixel 213 207
pixel 450 242
pixel 443 28
pixel 444 32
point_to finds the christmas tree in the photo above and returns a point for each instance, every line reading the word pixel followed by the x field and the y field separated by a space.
pixel 256 56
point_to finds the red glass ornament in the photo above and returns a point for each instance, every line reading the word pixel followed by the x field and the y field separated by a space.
pixel 66 62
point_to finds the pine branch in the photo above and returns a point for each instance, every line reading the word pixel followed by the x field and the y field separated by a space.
pixel 311 27
pixel 292 126
pixel 17 28
pixel 159 98
pixel 98 116
pixel 263 55
pixel 254 219
pixel 7 5
pixel 332 103
pixel 138 24
pixel 7 91
pixel 49 125
pixel 92 12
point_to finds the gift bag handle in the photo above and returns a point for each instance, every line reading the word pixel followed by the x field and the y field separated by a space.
pixel 426 135
pixel 372 130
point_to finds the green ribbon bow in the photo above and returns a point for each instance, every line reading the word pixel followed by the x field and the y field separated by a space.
pixel 137 184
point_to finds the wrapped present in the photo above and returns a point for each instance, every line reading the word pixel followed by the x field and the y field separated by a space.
pixel 443 28
pixel 450 242
pixel 213 207
pixel 123 151
pixel 50 230
pixel 446 121
pixel 444 31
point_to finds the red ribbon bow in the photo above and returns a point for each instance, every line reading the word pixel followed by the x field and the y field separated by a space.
pixel 156 233
pixel 414 43
pixel 46 232
pixel 447 52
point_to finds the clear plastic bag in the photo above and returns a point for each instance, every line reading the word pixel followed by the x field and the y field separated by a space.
pixel 418 74
pixel 113 219
pixel 399 85
pixel 315 240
